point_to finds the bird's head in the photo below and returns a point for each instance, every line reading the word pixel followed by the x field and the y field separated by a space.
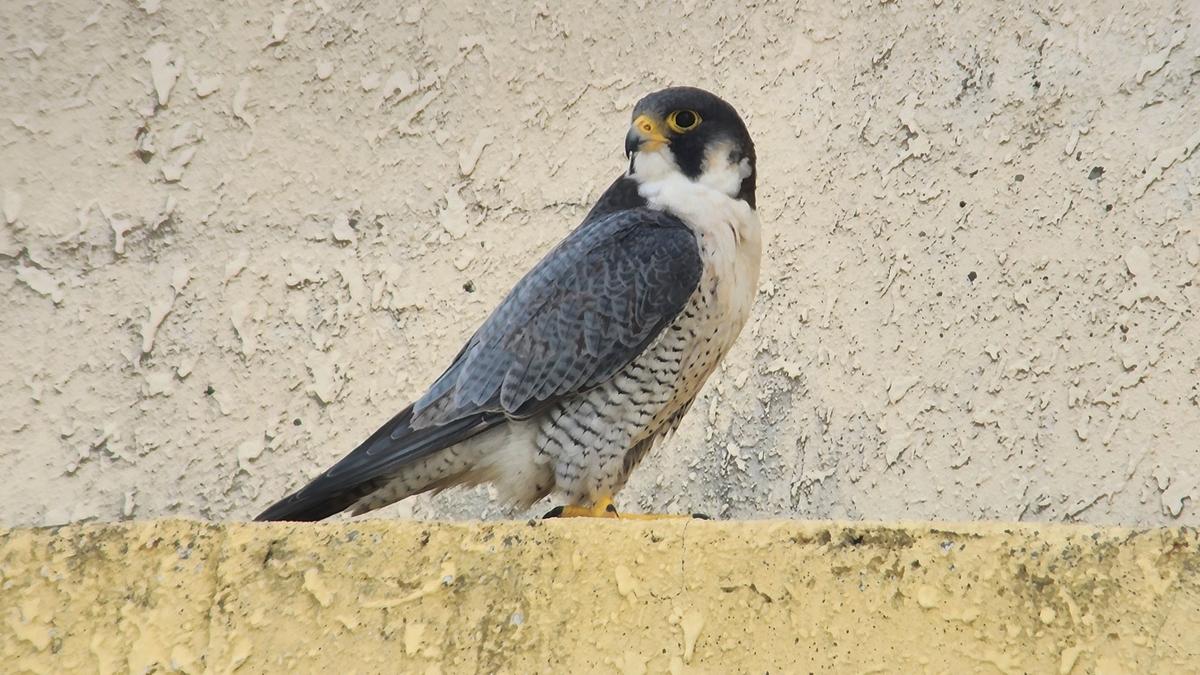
pixel 692 132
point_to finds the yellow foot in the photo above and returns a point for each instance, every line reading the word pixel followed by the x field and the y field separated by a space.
pixel 603 508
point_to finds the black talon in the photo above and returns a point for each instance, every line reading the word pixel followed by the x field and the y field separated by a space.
pixel 555 512
pixel 611 508
pixel 701 516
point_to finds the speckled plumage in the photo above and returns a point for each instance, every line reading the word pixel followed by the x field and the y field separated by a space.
pixel 596 353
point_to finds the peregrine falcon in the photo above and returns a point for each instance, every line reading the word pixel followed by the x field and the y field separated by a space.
pixel 599 350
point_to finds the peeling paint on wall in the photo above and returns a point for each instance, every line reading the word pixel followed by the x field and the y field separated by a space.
pixel 274 224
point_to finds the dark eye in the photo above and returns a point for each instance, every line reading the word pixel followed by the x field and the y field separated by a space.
pixel 682 121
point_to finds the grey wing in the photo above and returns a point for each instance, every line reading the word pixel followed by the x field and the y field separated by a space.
pixel 583 313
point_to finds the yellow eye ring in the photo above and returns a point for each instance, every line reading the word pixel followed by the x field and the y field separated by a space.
pixel 683 121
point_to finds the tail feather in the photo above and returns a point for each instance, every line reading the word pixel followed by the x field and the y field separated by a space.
pixel 372 464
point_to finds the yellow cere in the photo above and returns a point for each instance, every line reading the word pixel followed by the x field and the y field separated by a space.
pixel 651 130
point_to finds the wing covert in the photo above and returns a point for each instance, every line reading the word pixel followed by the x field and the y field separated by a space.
pixel 583 313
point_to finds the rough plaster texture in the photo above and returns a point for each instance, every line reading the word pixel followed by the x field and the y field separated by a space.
pixel 596 596
pixel 239 236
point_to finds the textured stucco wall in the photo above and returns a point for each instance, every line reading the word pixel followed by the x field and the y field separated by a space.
pixel 595 596
pixel 238 236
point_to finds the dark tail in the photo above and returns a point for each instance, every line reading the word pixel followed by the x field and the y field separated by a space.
pixel 373 463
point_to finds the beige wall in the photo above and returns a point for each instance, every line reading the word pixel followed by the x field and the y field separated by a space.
pixel 599 597
pixel 316 186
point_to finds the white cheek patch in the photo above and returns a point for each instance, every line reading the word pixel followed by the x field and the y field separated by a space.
pixel 720 173
pixel 648 167
pixel 658 173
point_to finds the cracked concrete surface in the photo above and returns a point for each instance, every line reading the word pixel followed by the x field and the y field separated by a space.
pixel 235 239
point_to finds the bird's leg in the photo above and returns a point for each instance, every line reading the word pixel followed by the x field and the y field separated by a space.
pixel 604 508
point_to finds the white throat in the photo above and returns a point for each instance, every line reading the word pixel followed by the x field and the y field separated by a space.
pixel 709 203
pixel 713 193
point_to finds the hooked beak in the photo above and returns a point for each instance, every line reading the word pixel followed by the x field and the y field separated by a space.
pixel 645 135
pixel 633 142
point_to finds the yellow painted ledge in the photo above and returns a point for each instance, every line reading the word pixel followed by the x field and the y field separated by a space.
pixel 598 596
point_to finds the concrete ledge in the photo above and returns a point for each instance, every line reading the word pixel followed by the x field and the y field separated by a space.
pixel 587 596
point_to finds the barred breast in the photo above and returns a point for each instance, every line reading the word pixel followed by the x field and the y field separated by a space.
pixel 594 441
